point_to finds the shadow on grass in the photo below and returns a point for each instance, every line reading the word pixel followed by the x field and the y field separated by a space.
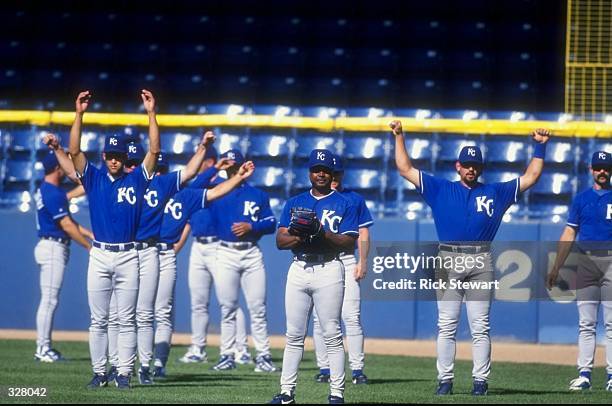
pixel 397 380
pixel 503 391
pixel 209 378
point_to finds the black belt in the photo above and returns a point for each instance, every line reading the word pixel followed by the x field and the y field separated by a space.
pixel 240 246
pixel 466 249
pixel 164 246
pixel 114 247
pixel 599 253
pixel 316 258
pixel 141 245
pixel 206 240
pixel 65 241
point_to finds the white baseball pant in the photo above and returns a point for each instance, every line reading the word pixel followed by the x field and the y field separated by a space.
pixel 104 266
pixel 594 286
pixel 164 306
pixel 321 286
pixel 351 316
pixel 51 256
pixel 478 304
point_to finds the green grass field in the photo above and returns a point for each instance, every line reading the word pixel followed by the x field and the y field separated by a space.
pixel 392 380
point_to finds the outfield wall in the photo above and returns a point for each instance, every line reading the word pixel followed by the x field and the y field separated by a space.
pixel 533 321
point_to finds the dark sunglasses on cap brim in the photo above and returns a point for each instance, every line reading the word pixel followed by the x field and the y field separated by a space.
pixel 599 168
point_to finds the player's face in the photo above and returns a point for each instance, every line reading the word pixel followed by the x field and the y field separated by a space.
pixel 321 177
pixel 233 170
pixel 114 162
pixel 601 174
pixel 469 172
pixel 337 180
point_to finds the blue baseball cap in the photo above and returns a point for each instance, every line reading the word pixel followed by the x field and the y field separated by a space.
pixel 601 158
pixel 338 164
pixel 50 162
pixel 135 151
pixel 211 153
pixel 234 155
pixel 471 154
pixel 115 143
pixel 162 162
pixel 321 157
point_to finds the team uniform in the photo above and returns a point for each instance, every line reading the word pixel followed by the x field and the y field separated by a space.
pixel 115 206
pixel 239 263
pixel 51 254
pixel 316 278
pixel 591 216
pixel 466 221
pixel 351 307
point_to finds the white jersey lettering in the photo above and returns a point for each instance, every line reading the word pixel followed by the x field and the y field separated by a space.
pixel 483 203
pixel 251 209
pixel 333 222
pixel 126 193
pixel 151 198
pixel 174 208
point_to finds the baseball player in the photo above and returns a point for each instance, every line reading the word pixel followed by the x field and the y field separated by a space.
pixel 590 219
pixel 467 215
pixel 201 260
pixel 163 186
pixel 55 229
pixel 318 226
pixel 178 210
pixel 355 272
pixel 115 202
pixel 241 219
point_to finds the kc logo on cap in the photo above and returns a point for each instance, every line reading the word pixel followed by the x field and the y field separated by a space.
pixel 603 156
pixel 320 156
pixel 132 149
pixel 231 156
pixel 113 141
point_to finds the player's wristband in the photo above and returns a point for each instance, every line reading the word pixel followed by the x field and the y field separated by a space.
pixel 539 150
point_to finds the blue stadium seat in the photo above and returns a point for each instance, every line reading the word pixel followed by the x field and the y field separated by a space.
pixel 363 146
pixel 494 176
pixel 300 179
pixel 505 151
pixel 560 152
pixel 419 149
pixel 268 177
pixel 21 140
pixel 177 143
pixel 227 141
pixel 307 142
pixel 18 171
pixel 449 148
pixel 553 184
pixel 269 146
pixel 192 53
pixel 362 179
pixel 91 142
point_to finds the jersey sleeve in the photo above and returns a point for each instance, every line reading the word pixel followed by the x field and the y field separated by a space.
pixel 508 192
pixel 196 200
pixel 364 217
pixel 267 222
pixel 203 180
pixel 573 219
pixel 349 224
pixel 430 186
pixel 170 183
pixel 285 217
pixel 56 203
pixel 88 176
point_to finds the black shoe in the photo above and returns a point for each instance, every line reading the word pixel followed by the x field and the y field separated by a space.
pixel 335 400
pixel 282 399
pixel 322 378
pixel 445 388
pixel 480 388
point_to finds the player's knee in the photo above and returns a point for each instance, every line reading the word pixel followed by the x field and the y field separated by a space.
pixel 587 326
pixel 295 340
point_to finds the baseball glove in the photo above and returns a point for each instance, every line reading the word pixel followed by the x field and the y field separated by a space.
pixel 305 224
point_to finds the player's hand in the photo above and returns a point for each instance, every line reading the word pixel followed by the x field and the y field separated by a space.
pixel 551 279
pixel 541 135
pixel 148 101
pixel 361 271
pixel 241 229
pixel 246 170
pixel 52 141
pixel 223 164
pixel 82 101
pixel 396 127
pixel 208 139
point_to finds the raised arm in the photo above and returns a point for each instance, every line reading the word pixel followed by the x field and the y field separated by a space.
pixel 191 169
pixel 534 170
pixel 402 160
pixel 245 171
pixel 67 165
pixel 150 159
pixel 78 157
pixel 563 250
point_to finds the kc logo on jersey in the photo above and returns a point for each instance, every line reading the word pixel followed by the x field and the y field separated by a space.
pixel 330 220
pixel 151 198
pixel 174 208
pixel 483 203
pixel 251 209
pixel 609 215
pixel 126 193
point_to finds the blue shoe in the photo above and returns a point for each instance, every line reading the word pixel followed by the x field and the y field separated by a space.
pixel 445 388
pixel 122 381
pixel 112 373
pixel 98 381
pixel 144 376
pixel 359 378
pixel 335 400
pixel 226 363
pixel 480 388
pixel 159 373
pixel 263 363
pixel 282 399
pixel 322 377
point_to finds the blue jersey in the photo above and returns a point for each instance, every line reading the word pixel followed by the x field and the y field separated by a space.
pixel 114 204
pixel 203 180
pixel 467 214
pixel 51 206
pixel 364 217
pixel 160 190
pixel 178 210
pixel 336 213
pixel 591 215
pixel 243 204
pixel 202 223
